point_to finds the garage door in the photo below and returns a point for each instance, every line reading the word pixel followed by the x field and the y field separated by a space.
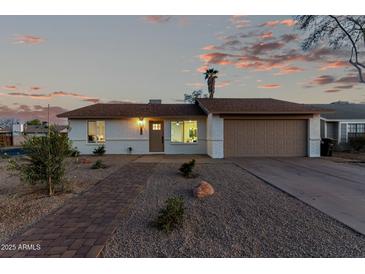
pixel 265 138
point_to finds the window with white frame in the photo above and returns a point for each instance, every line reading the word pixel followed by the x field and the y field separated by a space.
pixel 184 131
pixel 96 132
pixel 356 128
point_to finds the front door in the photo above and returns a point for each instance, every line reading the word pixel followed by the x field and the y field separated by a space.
pixel 156 136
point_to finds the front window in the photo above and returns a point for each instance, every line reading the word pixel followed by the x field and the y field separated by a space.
pixel 184 131
pixel 356 128
pixel 96 132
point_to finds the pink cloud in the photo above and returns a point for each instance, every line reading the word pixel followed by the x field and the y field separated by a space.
pixel 27 112
pixel 323 80
pixel 289 70
pixel 9 87
pixel 46 96
pixel 286 22
pixel 157 19
pixel 216 58
pixel 266 35
pixel 223 84
pixel 239 21
pixel 28 39
pixel 202 69
pixel 35 88
pixel 269 86
pixel 332 90
pixel 92 100
pixel 333 65
pixel 211 47
pixel 261 47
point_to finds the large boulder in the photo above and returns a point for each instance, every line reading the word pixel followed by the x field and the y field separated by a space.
pixel 204 189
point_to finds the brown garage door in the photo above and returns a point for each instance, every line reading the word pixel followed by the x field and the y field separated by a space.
pixel 265 138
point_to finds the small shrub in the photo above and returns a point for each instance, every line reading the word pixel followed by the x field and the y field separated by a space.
pixel 98 164
pixel 357 143
pixel 100 150
pixel 74 152
pixel 5 156
pixel 187 168
pixel 67 186
pixel 172 216
pixel 44 162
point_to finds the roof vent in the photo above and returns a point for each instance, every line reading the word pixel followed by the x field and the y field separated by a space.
pixel 155 101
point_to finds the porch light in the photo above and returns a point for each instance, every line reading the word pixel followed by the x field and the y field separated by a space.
pixel 141 125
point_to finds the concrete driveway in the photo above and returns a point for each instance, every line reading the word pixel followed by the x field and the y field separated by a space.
pixel 337 189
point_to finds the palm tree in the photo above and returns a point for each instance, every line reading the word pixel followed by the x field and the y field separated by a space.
pixel 210 76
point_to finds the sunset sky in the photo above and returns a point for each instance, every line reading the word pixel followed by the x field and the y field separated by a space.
pixel 73 61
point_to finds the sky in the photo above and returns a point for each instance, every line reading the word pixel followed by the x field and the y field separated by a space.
pixel 73 61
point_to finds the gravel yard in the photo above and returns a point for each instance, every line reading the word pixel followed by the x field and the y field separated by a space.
pixel 21 205
pixel 244 218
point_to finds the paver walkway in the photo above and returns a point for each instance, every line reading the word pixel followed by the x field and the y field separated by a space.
pixel 82 227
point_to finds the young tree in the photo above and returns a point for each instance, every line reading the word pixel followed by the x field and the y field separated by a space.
pixel 34 122
pixel 346 32
pixel 45 160
pixel 210 75
pixel 191 98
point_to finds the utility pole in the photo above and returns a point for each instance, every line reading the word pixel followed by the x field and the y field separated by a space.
pixel 49 156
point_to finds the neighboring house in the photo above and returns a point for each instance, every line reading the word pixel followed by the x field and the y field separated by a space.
pixel 217 127
pixel 6 138
pixel 345 122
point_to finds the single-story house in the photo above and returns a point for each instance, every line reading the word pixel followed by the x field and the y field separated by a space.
pixel 347 120
pixel 219 127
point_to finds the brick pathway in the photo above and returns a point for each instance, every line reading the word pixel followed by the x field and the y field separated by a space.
pixel 82 227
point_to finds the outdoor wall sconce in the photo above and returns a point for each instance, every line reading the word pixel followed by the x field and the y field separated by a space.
pixel 141 125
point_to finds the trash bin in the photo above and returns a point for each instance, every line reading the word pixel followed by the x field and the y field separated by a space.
pixel 327 145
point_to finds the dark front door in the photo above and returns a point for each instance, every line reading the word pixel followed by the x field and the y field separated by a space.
pixel 156 136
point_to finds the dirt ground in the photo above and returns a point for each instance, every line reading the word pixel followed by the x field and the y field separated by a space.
pixel 352 156
pixel 244 218
pixel 21 205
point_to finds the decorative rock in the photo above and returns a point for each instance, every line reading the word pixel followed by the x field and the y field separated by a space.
pixel 204 189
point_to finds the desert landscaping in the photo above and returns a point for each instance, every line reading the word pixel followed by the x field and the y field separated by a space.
pixel 22 205
pixel 245 217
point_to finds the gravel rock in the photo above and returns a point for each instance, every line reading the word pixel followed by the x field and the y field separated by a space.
pixel 203 190
pixel 245 218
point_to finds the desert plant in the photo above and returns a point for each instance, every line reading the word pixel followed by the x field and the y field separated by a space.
pixel 98 164
pixel 187 168
pixel 172 216
pixel 44 163
pixel 74 152
pixel 357 143
pixel 100 150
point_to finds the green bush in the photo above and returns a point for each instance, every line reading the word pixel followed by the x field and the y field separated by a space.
pixel 74 152
pixel 98 164
pixel 45 160
pixel 357 143
pixel 172 216
pixel 100 150
pixel 187 168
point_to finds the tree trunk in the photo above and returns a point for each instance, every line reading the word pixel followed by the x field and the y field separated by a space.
pixel 50 185
pixel 211 83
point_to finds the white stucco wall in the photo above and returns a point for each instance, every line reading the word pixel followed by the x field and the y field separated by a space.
pixel 215 135
pixel 119 135
pixel 123 133
pixel 197 148
pixel 314 136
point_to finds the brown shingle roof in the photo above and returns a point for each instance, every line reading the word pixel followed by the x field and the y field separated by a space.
pixel 134 110
pixel 254 106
